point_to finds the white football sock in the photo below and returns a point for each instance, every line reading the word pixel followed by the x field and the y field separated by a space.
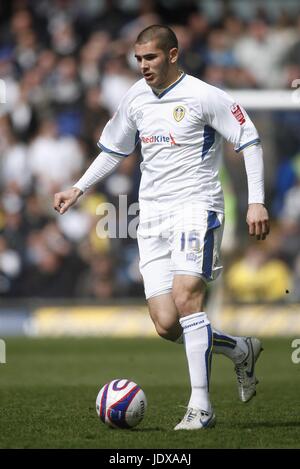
pixel 198 346
pixel 226 344
pixel 233 347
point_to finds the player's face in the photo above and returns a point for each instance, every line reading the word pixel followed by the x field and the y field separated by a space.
pixel 156 65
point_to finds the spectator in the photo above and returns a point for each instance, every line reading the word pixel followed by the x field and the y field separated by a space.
pixel 116 80
pixel 54 161
pixel 15 170
pixel 258 277
pixel 261 52
pixel 66 65
pixel 10 269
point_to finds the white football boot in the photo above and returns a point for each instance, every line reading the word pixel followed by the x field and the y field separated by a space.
pixel 245 370
pixel 196 419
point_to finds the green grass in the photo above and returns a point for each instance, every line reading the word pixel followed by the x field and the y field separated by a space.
pixel 48 389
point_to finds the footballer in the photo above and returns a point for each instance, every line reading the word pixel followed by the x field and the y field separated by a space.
pixel 180 122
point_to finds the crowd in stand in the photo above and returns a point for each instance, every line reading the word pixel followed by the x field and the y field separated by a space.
pixel 66 65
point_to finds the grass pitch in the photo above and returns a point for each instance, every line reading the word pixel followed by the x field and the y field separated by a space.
pixel 48 389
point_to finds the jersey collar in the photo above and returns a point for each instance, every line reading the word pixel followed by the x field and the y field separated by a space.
pixel 166 90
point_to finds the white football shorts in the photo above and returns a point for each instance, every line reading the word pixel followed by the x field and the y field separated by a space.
pixel 185 243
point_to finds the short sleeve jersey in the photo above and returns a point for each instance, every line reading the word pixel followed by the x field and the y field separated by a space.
pixel 180 131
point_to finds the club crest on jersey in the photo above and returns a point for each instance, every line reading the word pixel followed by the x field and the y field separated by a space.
pixel 179 113
pixel 238 113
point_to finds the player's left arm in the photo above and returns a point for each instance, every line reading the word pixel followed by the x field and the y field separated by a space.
pixel 257 215
pixel 232 121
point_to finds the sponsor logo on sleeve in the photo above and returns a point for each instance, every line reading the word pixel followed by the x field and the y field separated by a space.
pixel 238 113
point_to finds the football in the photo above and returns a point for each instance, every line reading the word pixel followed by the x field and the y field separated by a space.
pixel 121 403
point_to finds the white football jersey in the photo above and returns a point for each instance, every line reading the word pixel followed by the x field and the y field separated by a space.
pixel 180 131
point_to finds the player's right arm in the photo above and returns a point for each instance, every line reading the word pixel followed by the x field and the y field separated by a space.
pixel 101 167
pixel 64 200
pixel 118 140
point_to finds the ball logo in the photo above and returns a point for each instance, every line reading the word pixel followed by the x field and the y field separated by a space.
pixel 238 113
pixel 179 113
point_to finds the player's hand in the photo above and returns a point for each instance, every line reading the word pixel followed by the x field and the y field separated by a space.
pixel 64 200
pixel 258 221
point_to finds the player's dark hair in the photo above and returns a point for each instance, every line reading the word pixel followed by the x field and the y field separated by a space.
pixel 166 38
